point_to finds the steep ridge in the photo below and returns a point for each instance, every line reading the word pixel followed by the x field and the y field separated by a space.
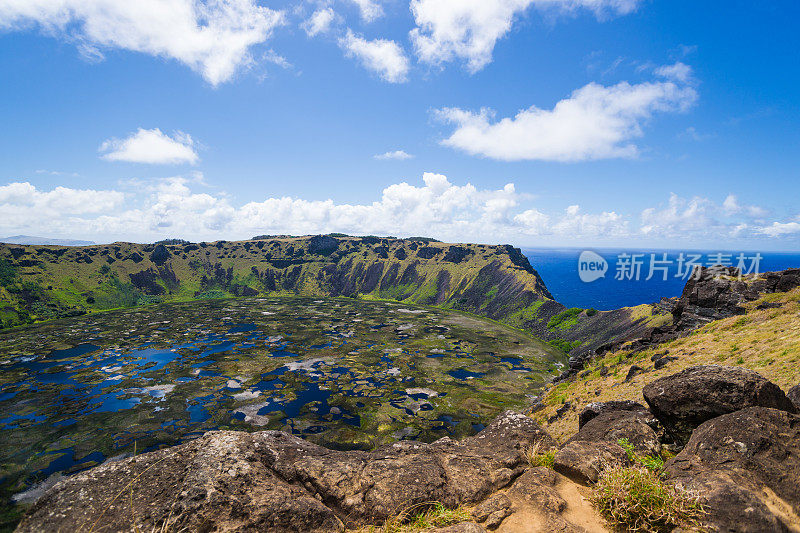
pixel 40 282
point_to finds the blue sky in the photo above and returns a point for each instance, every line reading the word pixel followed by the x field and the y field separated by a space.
pixel 618 122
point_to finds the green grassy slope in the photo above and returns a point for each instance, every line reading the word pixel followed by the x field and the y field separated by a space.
pixel 42 282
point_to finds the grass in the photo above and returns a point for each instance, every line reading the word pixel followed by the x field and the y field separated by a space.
pixel 536 457
pixel 650 462
pixel 764 340
pixel 638 499
pixel 565 319
pixel 422 516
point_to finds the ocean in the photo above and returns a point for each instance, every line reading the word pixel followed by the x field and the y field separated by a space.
pixel 559 270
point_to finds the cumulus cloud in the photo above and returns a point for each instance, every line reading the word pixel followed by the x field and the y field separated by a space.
pixel 778 229
pixel 702 217
pixel 385 58
pixel 151 146
pixel 370 9
pixel 320 21
pixel 678 71
pixel 469 29
pixel 396 154
pixel 170 206
pixel 436 207
pixel 731 206
pixel 595 122
pixel 212 37
pixel 24 206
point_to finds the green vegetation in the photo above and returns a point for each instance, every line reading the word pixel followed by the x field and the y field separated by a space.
pixel 424 516
pixel 591 312
pixel 539 458
pixel 564 346
pixel 69 280
pixel 652 463
pixel 565 319
pixel 638 499
pixel 7 273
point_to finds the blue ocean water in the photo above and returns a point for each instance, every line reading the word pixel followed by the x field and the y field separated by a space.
pixel 559 270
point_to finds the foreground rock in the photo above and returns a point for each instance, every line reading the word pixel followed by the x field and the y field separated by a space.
pixel 584 461
pixel 746 467
pixel 683 401
pixel 273 481
pixel 633 426
pixel 596 408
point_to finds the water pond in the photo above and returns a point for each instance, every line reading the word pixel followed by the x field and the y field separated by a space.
pixel 340 372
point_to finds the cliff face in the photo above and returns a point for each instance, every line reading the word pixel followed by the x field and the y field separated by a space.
pixel 39 282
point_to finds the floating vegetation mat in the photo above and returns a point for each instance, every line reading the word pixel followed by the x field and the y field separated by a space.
pixel 340 372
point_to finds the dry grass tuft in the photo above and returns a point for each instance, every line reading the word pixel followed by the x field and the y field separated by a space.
pixel 638 499
pixel 422 516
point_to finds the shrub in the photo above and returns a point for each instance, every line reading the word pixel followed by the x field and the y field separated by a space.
pixel 638 499
pixel 591 312
pixel 565 319
pixel 8 274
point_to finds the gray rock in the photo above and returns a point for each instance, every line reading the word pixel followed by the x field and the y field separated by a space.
pixel 593 409
pixel 611 426
pixel 493 504
pixel 584 461
pixel 274 481
pixel 746 467
pixel 683 401
pixel 794 396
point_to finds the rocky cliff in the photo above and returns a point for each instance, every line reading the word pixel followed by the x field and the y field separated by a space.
pixel 39 282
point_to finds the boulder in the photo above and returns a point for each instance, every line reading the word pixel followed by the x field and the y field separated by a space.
pixel 593 409
pixel 683 401
pixel 497 502
pixel 746 468
pixel 274 481
pixel 611 426
pixel 794 396
pixel 536 487
pixel 584 461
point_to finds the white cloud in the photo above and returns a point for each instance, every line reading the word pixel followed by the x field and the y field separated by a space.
pixel 595 122
pixel 151 146
pixel 370 9
pixel 437 207
pixel 777 229
pixel 396 154
pixel 701 217
pixel 384 57
pixel 212 37
pixel 731 206
pixel 469 29
pixel 320 22
pixel 679 71
pixel 23 203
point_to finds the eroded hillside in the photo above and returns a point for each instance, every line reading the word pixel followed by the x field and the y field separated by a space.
pixel 41 282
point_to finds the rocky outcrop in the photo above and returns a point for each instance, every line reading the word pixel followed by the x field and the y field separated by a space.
pixel 594 409
pixel 794 396
pixel 745 466
pixel 278 482
pixel 584 461
pixel 683 401
pixel 710 294
pixel 633 426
